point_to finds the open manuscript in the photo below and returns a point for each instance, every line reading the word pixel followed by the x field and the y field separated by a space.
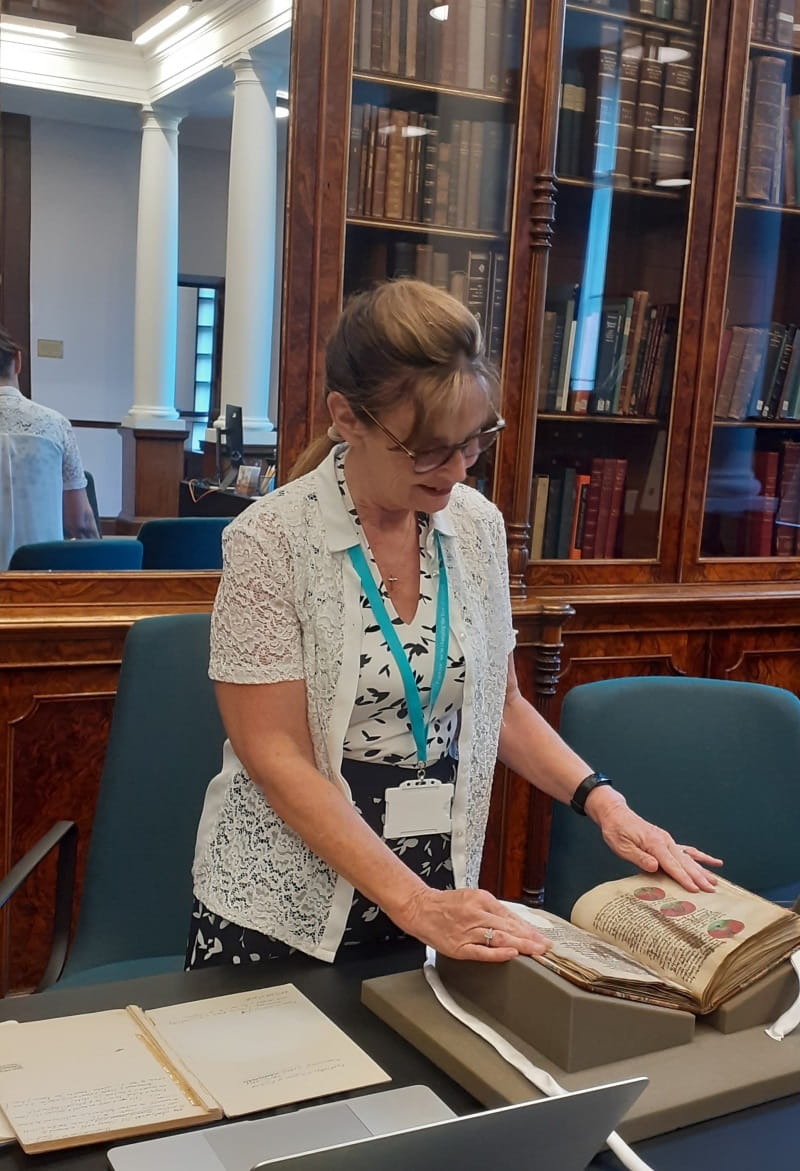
pixel 108 1075
pixel 646 938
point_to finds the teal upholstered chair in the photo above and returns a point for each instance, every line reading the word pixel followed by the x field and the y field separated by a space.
pixel 105 553
pixel 183 542
pixel 715 762
pixel 164 745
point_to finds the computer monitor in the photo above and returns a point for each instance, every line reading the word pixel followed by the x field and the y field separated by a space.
pixel 230 446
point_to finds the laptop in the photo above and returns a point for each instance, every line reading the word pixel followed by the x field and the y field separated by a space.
pixel 394 1130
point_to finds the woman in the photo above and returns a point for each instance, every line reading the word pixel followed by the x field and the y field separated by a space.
pixel 362 647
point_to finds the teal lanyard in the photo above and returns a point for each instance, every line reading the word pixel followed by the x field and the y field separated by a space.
pixel 419 728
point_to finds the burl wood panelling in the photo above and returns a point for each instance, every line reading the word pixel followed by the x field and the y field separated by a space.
pixel 61 640
pixel 55 755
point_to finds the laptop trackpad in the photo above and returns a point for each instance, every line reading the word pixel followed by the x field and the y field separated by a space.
pixel 239 1147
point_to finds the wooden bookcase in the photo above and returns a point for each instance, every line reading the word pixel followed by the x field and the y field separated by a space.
pixel 669 233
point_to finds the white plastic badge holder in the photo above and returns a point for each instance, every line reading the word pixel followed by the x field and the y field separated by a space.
pixel 416 807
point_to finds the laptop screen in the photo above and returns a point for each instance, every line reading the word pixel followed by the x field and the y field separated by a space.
pixel 550 1134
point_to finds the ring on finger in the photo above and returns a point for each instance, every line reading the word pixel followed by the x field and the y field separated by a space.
pixel 488 936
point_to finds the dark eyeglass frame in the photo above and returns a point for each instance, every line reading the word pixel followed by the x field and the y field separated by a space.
pixel 484 439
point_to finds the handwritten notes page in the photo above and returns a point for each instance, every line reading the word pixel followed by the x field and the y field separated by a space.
pixel 75 1080
pixel 256 1050
pixel 7 1134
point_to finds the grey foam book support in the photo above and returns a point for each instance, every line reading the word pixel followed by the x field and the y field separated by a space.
pixel 574 1028
pixel 715 1073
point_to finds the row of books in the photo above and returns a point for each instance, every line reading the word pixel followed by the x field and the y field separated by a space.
pixel 627 108
pixel 575 515
pixel 776 22
pixel 405 165
pixel 674 11
pixel 769 158
pixel 759 372
pixel 613 357
pixel 477 277
pixel 467 46
pixel 770 525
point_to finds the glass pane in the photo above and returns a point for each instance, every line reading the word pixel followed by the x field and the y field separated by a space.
pixel 752 504
pixel 624 161
pixel 430 178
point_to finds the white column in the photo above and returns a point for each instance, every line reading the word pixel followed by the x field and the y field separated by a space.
pixel 156 299
pixel 247 340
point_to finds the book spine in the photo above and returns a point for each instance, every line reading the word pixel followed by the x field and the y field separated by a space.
pixel 494 46
pixel 615 499
pixel 478 285
pixel 606 102
pixel 767 98
pixel 354 156
pixel 497 302
pixel 378 194
pixel 651 77
pixel 472 203
pixel 396 162
pixel 627 102
pixel 592 511
pixel 538 514
pixel 581 490
pixel 673 153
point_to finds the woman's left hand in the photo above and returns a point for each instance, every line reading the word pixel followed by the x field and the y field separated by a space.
pixel 650 848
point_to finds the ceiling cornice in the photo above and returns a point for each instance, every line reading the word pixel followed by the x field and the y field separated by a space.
pixel 119 71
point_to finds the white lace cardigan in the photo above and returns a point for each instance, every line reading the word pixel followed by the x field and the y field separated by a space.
pixel 288 607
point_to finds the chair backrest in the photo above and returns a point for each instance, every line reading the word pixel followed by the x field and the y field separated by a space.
pixel 164 746
pixel 183 542
pixel 91 493
pixel 715 762
pixel 105 553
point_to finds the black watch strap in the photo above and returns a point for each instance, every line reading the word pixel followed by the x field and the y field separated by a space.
pixel 583 790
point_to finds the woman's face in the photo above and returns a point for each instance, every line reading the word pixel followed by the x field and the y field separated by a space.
pixel 387 473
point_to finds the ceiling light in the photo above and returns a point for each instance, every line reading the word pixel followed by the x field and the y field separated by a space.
pixel 38 28
pixel 439 12
pixel 161 22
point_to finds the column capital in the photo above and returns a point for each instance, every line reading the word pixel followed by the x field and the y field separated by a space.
pixel 167 121
pixel 247 68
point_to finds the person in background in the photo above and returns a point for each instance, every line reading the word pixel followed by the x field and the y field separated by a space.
pixel 362 647
pixel 42 482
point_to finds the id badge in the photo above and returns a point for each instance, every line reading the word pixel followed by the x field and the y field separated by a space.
pixel 417 807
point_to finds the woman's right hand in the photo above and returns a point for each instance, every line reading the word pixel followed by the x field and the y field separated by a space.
pixel 470 925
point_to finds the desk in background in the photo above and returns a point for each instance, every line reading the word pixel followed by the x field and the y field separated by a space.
pixel 764 1136
pixel 196 500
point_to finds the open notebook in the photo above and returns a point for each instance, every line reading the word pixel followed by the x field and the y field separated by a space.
pixel 397 1130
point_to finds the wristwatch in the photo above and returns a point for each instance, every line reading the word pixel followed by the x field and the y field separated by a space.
pixel 583 790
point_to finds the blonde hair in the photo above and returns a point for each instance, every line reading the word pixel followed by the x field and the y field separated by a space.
pixel 403 341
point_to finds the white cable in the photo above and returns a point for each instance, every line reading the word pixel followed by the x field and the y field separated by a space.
pixel 789 1020
pixel 539 1077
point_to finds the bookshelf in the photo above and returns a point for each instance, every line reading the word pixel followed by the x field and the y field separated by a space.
pixel 624 167
pixel 431 138
pixel 670 588
pixel 752 495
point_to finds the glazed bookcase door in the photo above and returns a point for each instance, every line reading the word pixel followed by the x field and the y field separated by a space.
pixel 609 420
pixel 751 504
pixel 432 147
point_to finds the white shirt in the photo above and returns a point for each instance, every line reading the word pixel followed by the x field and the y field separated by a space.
pixel 39 461
pixel 289 608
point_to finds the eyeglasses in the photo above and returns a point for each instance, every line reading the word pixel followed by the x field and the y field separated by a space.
pixel 437 457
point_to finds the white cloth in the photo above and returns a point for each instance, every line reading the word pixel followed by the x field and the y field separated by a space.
pixel 39 461
pixel 288 608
